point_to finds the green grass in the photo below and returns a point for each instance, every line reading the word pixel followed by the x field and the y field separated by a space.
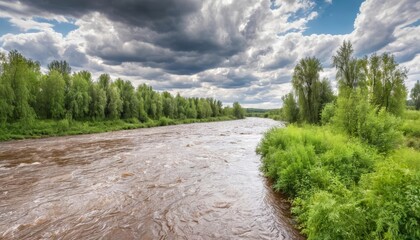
pixel 48 128
pixel 411 128
pixel 341 187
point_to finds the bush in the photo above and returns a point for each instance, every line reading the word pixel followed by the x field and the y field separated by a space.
pixel 63 125
pixel 327 113
pixel 163 121
pixel 381 130
pixel 391 197
pixel 357 118
pixel 295 157
pixel 341 187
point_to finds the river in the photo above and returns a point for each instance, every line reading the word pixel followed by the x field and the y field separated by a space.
pixel 195 181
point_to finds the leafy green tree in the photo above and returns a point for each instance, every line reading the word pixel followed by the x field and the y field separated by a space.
pixel 128 97
pixel 79 97
pixel 51 95
pixel 385 83
pixel 306 84
pixel 182 106
pixel 168 107
pixel 326 93
pixel 114 103
pixel 238 111
pixel 191 110
pixel 98 102
pixel 394 91
pixel 290 110
pixel 348 67
pixel 203 109
pixel 7 95
pixel 157 105
pixel 64 69
pixel 60 66
pixel 142 113
pixel 18 74
pixel 415 95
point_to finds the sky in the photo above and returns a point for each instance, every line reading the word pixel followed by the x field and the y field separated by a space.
pixel 231 50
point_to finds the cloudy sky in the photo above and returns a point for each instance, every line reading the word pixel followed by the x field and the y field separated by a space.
pixel 232 50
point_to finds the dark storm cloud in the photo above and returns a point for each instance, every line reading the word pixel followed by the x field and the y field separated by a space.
pixel 283 60
pixel 157 15
pixel 158 25
pixel 230 80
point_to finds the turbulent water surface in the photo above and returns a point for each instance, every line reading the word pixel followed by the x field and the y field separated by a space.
pixel 197 181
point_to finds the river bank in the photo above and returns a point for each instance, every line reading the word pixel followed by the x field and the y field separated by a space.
pixel 52 128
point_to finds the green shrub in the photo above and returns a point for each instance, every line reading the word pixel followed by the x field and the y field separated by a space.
pixel 163 121
pixel 294 157
pixel 333 216
pixel 391 196
pixel 341 188
pixel 63 125
pixel 356 117
pixel 132 120
pixel 327 113
pixel 381 131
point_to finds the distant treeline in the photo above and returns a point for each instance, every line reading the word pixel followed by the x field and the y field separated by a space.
pixel 27 94
pixel 263 113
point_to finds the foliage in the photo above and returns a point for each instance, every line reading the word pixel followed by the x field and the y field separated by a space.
pixel 290 110
pixel 26 94
pixel 350 179
pixel 341 187
pixel 411 129
pixel 238 111
pixel 348 67
pixel 328 113
pixel 415 95
pixel 379 130
pixel 385 81
pixel 306 83
pixel 390 196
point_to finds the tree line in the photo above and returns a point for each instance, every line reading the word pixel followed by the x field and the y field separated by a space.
pixel 376 79
pixel 26 94
pixel 357 175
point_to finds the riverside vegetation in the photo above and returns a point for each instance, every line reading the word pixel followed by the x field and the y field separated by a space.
pixel 33 104
pixel 349 163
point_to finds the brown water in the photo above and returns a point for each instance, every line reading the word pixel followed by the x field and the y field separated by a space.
pixel 197 181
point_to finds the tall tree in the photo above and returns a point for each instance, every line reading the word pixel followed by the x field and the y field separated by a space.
pixel 394 91
pixel 98 102
pixel 129 99
pixel 348 67
pixel 290 110
pixel 306 84
pixel 63 67
pixel 385 83
pixel 60 66
pixel 18 76
pixel 415 95
pixel 114 104
pixel 51 95
pixel 79 97
pixel 238 111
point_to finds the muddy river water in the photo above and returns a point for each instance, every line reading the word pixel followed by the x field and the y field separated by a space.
pixel 196 181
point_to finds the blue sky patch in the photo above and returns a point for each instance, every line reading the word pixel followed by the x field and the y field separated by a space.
pixel 61 27
pixel 6 27
pixel 335 18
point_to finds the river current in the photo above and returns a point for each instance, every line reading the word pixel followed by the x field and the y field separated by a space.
pixel 195 181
